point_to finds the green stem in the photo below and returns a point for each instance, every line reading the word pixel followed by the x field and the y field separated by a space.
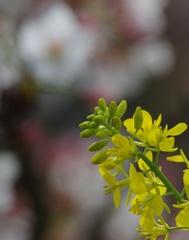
pixel 183 192
pixel 178 228
pixel 109 127
pixel 157 158
pixel 162 177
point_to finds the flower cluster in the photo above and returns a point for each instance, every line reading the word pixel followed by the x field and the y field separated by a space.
pixel 141 146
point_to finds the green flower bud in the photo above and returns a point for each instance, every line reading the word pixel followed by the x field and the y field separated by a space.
pixel 102 104
pixel 100 157
pixel 100 112
pixel 138 118
pixel 102 133
pixel 112 109
pixel 85 124
pixel 93 124
pixel 97 145
pixel 117 123
pixel 106 113
pixel 87 133
pixel 96 109
pixel 121 108
pixel 99 119
pixel 90 117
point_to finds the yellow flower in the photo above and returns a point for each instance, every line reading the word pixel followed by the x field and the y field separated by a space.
pixel 158 229
pixel 137 181
pixel 149 206
pixel 143 203
pixel 122 147
pixel 113 184
pixel 152 134
pixel 153 183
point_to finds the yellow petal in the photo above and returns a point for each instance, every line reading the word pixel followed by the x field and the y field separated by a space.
pixel 177 130
pixel 142 165
pixel 152 138
pixel 137 184
pixel 162 190
pixel 158 121
pixel 123 147
pixel 108 177
pixel 117 197
pixel 119 140
pixel 176 158
pixel 157 203
pixel 147 221
pixel 186 177
pixel 129 124
pixel 132 171
pixel 147 119
pixel 167 144
pixel 182 218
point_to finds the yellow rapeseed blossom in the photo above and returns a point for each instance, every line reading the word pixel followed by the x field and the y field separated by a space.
pixel 122 147
pixel 137 181
pixel 113 185
pixel 152 134
pixel 159 228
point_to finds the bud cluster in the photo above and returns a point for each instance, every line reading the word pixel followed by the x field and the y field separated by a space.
pixel 103 123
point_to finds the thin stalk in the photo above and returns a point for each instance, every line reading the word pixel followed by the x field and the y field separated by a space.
pixel 162 177
pixel 157 158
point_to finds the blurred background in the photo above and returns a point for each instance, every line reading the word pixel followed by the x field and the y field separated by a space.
pixel 56 59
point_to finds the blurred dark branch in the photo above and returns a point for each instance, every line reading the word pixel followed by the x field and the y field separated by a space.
pixel 16 105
